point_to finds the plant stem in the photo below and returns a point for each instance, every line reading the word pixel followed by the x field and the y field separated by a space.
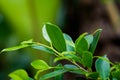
pixel 78 66
pixel 60 55
pixel 40 44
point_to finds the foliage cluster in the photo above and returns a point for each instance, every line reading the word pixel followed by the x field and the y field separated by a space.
pixel 80 54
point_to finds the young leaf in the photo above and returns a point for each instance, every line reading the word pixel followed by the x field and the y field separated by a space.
pixel 81 44
pixel 23 44
pixel 52 74
pixel 40 64
pixel 69 43
pixel 87 59
pixel 14 48
pixel 56 37
pixel 103 68
pixel 19 75
pixel 95 40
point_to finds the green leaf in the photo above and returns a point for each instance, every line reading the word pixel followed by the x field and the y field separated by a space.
pixel 15 48
pixel 69 43
pixel 31 78
pixel 78 71
pixel 38 73
pixel 95 40
pixel 92 75
pixel 40 64
pixel 23 44
pixel 89 39
pixel 59 77
pixel 103 67
pixel 116 74
pixel 71 56
pixel 59 58
pixel 70 67
pixel 19 75
pixel 87 59
pixel 74 69
pixel 43 48
pixel 53 74
pixel 56 37
pixel 27 42
pixel 45 34
pixel 81 44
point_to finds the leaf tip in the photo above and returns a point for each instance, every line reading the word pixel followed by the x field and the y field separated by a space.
pixel 98 30
pixel 2 51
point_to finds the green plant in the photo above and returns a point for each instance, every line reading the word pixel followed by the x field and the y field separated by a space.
pixel 79 54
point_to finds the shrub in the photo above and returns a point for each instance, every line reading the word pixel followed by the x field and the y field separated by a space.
pixel 80 54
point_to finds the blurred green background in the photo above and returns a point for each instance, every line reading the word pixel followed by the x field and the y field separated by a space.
pixel 23 19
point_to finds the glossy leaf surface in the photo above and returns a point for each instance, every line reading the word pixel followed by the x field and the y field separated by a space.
pixel 40 64
pixel 89 39
pixel 69 43
pixel 56 37
pixel 19 75
pixel 103 68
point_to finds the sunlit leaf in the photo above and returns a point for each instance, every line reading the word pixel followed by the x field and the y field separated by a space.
pixel 23 44
pixel 40 64
pixel 27 42
pixel 103 68
pixel 19 75
pixel 69 43
pixel 56 37
pixel 15 48
pixel 45 34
